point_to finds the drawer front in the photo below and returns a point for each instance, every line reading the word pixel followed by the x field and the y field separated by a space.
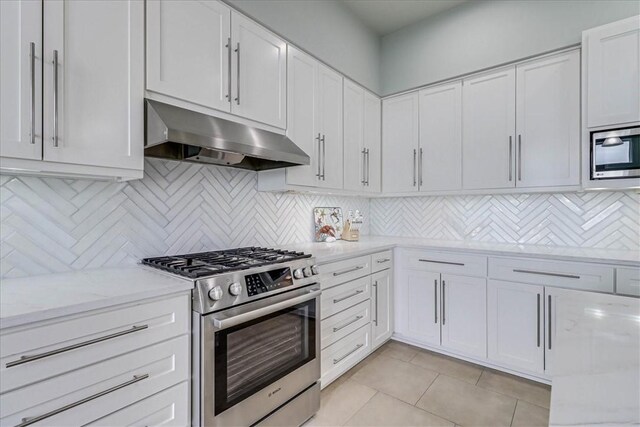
pixel 344 354
pixel 571 275
pixel 84 340
pixel 101 389
pixel 342 324
pixel 628 281
pixel 167 408
pixel 381 261
pixel 341 297
pixel 339 272
pixel 447 262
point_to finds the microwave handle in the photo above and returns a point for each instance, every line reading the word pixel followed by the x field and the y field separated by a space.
pixel 221 323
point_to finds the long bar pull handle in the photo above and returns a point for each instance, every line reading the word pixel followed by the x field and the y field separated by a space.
pixel 383 260
pixel 375 285
pixel 319 155
pixel 549 320
pixel 32 111
pixel 544 273
pixel 340 359
pixel 420 168
pixel 435 301
pixel 415 154
pixel 358 292
pixel 510 158
pixel 349 270
pixel 368 166
pixel 238 74
pixel 229 49
pixel 32 420
pixel 364 166
pixel 519 157
pixel 324 157
pixel 443 302
pixel 26 358
pixel 55 98
pixel 348 323
pixel 538 321
pixel 441 262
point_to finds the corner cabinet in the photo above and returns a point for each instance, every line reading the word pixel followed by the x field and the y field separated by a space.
pixel 87 127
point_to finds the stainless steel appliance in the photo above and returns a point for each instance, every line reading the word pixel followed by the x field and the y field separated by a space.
pixel 615 153
pixel 256 335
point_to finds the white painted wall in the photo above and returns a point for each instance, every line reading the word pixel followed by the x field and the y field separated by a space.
pixel 482 34
pixel 325 28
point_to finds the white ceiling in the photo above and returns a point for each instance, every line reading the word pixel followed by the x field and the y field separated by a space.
pixel 387 16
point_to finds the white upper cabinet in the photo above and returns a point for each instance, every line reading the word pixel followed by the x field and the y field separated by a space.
pixel 188 51
pixel 329 124
pixel 400 143
pixel 548 121
pixel 612 70
pixel 441 138
pixel 361 139
pixel 94 83
pixel 259 70
pixel 21 79
pixel 488 130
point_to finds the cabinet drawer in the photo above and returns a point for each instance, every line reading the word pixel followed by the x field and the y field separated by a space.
pixel 343 271
pixel 342 324
pixel 94 391
pixel 167 408
pixel 381 261
pixel 628 281
pixel 447 262
pixel 40 352
pixel 572 275
pixel 344 354
pixel 341 297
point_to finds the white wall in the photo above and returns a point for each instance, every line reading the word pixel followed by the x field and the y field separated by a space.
pixel 482 34
pixel 325 28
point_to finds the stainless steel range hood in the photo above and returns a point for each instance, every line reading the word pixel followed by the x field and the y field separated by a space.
pixel 179 134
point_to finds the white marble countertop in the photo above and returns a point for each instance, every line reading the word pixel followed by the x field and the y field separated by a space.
pixel 328 252
pixel 35 298
pixel 596 362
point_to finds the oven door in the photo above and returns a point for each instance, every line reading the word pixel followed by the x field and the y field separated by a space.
pixel 258 356
pixel 615 154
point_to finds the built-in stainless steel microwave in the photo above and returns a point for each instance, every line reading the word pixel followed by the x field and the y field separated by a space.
pixel 615 153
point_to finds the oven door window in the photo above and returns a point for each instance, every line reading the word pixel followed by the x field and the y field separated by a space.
pixel 253 355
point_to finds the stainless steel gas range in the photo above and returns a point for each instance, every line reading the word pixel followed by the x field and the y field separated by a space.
pixel 256 335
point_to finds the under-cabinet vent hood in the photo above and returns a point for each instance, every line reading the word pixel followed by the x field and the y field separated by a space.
pixel 176 133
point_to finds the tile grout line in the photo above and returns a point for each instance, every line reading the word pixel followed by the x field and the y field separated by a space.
pixel 514 412
pixel 360 409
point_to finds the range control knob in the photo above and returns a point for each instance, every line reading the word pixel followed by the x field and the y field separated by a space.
pixel 235 289
pixel 306 272
pixel 315 270
pixel 215 293
pixel 298 274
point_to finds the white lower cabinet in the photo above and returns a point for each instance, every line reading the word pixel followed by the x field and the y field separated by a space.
pixel 381 304
pixel 420 297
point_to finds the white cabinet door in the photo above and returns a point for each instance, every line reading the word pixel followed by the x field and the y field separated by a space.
pixel 259 73
pixel 612 60
pixel 515 325
pixel 420 300
pixel 94 87
pixel 488 111
pixel 21 79
pixel 373 141
pixel 464 314
pixel 381 307
pixel 302 77
pixel 441 138
pixel 329 120
pixel 400 143
pixel 188 51
pixel 354 151
pixel 548 121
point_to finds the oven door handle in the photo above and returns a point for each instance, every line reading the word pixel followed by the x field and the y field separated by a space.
pixel 228 322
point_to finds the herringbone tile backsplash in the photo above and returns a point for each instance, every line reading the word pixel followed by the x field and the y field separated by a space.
pixel 52 225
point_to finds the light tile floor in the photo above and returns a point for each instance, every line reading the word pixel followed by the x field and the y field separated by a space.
pixel 402 385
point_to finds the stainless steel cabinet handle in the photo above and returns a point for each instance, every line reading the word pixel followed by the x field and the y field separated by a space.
pixel 368 166
pixel 32 111
pixel 383 260
pixel 538 321
pixel 443 302
pixel 549 320
pixel 324 157
pixel 375 285
pixel 26 358
pixel 349 270
pixel 435 301
pixel 348 323
pixel 238 74
pixel 228 46
pixel 544 273
pixel 319 155
pixel 441 262
pixel 519 157
pixel 55 98
pixel 420 168
pixel 32 420
pixel 340 359
pixel 415 154
pixel 364 166
pixel 510 157
pixel 358 292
